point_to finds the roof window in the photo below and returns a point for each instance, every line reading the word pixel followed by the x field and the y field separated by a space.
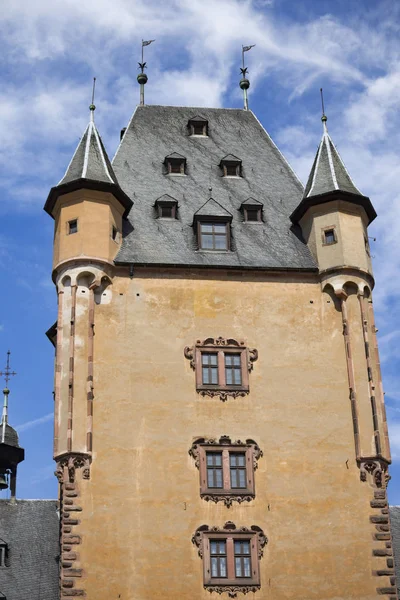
pixel 231 166
pixel 175 163
pixel 198 126
pixel 166 207
pixel 252 211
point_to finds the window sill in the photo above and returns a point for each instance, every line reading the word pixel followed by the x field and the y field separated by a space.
pixel 175 174
pixel 232 177
pixel 200 250
pixel 198 135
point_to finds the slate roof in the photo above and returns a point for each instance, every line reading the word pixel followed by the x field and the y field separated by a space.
pixel 89 168
pixel 395 528
pixel 330 180
pixel 153 133
pixel 328 172
pixel 31 530
pixel 10 435
pixel 90 160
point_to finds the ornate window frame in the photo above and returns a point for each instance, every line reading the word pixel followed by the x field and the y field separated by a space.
pixel 231 585
pixel 221 346
pixel 227 494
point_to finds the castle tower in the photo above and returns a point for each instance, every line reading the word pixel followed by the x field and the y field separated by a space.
pixel 219 417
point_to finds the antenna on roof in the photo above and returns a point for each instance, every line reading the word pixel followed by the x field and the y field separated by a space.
pixel 244 83
pixel 142 77
pixel 92 107
pixel 324 118
pixel 7 373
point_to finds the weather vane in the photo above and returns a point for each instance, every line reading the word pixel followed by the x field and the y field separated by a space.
pixel 7 373
pixel 244 82
pixel 142 77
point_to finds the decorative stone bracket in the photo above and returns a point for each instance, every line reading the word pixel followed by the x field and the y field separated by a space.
pixel 72 461
pixel 374 470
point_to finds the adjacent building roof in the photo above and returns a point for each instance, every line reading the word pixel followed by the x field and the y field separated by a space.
pixel 30 528
pixel 151 135
pixel 395 529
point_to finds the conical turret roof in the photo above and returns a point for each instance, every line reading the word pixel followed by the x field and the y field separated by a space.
pixel 89 168
pixel 330 179
pixel 90 160
pixel 328 172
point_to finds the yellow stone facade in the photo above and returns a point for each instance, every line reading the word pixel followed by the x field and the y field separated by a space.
pixel 127 413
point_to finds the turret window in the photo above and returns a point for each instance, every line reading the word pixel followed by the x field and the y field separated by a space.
pixel 329 236
pixel 72 226
pixel 115 234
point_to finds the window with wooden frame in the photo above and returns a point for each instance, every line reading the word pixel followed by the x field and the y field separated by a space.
pixel 226 468
pixel 329 236
pixel 222 366
pixel 175 164
pixel 213 235
pixel 166 209
pixel 198 126
pixel 72 226
pixel 231 557
pixel 231 166
pixel 252 211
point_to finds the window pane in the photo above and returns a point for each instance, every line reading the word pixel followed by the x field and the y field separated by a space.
pixel 220 228
pixel 205 375
pixel 213 359
pixel 252 214
pixel 220 242
pixel 233 479
pixel 247 567
pixel 206 227
pixel 214 375
pixel 218 478
pixel 214 567
pixel 240 460
pixel 329 236
pixel 236 359
pixel 206 241
pixel 229 377
pixel 213 547
pixel 245 547
pixel 237 376
pixel 222 547
pixel 238 567
pixel 222 564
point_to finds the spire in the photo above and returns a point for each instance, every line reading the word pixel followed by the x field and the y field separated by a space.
pixel 7 373
pixel 89 168
pixel 328 172
pixel 329 179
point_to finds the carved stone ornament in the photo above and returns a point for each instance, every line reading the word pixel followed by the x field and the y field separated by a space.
pixel 232 590
pixel 224 394
pixel 72 461
pixel 375 469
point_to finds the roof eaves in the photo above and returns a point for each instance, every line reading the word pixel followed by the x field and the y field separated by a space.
pixel 310 201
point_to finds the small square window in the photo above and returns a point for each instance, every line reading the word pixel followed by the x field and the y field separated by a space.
pixel 198 129
pixel 214 236
pixel 166 211
pixel 329 236
pixel 252 214
pixel 175 167
pixel 73 226
pixel 232 170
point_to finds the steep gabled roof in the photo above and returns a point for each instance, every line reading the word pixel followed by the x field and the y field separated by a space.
pixel 230 158
pixel 328 172
pixel 153 132
pixel 252 202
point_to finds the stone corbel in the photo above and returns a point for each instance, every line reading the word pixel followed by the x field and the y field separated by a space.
pixel 374 470
pixel 69 463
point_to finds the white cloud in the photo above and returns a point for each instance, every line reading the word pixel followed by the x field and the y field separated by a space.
pixel 35 422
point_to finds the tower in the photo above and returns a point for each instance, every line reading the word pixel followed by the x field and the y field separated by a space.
pixel 219 417
pixel 11 454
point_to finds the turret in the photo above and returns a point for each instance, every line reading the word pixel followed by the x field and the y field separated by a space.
pixel 11 454
pixel 334 216
pixel 87 205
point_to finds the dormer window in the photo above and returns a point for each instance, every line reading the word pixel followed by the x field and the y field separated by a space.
pixel 231 166
pixel 166 207
pixel 212 224
pixel 3 554
pixel 175 163
pixel 198 126
pixel 252 211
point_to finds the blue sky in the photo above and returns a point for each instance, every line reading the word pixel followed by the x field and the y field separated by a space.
pixel 51 51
